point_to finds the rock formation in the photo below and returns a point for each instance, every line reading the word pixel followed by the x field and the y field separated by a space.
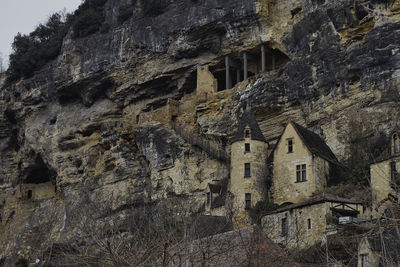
pixel 98 122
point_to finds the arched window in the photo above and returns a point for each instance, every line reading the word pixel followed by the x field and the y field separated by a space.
pixel 395 144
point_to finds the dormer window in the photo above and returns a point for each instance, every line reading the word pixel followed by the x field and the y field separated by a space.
pixel 290 145
pixel 247 133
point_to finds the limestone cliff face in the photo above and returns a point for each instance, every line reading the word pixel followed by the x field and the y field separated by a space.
pixel 97 122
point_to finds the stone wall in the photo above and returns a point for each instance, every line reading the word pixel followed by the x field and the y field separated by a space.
pixel 285 187
pixel 299 235
pixel 381 184
pixel 255 184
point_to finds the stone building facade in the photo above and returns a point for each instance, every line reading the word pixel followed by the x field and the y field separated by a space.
pixel 385 179
pixel 302 163
pixel 303 224
pixel 248 175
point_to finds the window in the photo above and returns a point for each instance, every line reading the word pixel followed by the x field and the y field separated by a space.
pixel 247 170
pixel 309 224
pixel 29 194
pixel 393 170
pixel 208 198
pixel 137 119
pixel 247 133
pixel 290 146
pixel 284 226
pixel 364 261
pixel 395 144
pixel 301 175
pixel 246 148
pixel 247 201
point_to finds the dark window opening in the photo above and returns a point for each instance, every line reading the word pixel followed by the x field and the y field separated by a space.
pixel 247 201
pixel 247 172
pixel 247 133
pixel 309 223
pixel 393 170
pixel 396 146
pixel 137 118
pixel 284 225
pixel 247 148
pixel 208 198
pixel 301 175
pixel 290 146
pixel 29 195
pixel 364 261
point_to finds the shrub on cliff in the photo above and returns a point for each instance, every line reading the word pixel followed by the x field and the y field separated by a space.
pixel 88 18
pixel 33 51
pixel 124 13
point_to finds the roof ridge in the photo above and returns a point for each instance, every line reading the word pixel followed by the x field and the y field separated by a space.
pixel 315 143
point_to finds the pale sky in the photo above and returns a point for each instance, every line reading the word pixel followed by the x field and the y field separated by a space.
pixel 24 15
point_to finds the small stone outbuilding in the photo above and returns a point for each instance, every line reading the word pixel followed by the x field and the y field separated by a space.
pixel 381 247
pixel 303 224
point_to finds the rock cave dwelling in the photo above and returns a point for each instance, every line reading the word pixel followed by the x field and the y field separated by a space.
pixel 204 133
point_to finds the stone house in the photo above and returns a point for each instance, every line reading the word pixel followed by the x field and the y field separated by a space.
pixel 302 164
pixel 385 179
pixel 303 224
pixel 381 247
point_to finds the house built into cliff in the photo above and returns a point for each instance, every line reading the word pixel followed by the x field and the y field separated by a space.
pixel 301 166
pixel 385 178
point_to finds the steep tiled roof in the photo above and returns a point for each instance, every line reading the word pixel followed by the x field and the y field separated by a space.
pixel 248 119
pixel 320 198
pixel 315 143
pixel 244 247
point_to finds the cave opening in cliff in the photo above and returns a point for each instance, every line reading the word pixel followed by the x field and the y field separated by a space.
pixel 39 173
pixel 237 67
pixel 219 72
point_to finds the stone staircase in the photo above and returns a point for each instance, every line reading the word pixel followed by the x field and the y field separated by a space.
pixel 213 149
